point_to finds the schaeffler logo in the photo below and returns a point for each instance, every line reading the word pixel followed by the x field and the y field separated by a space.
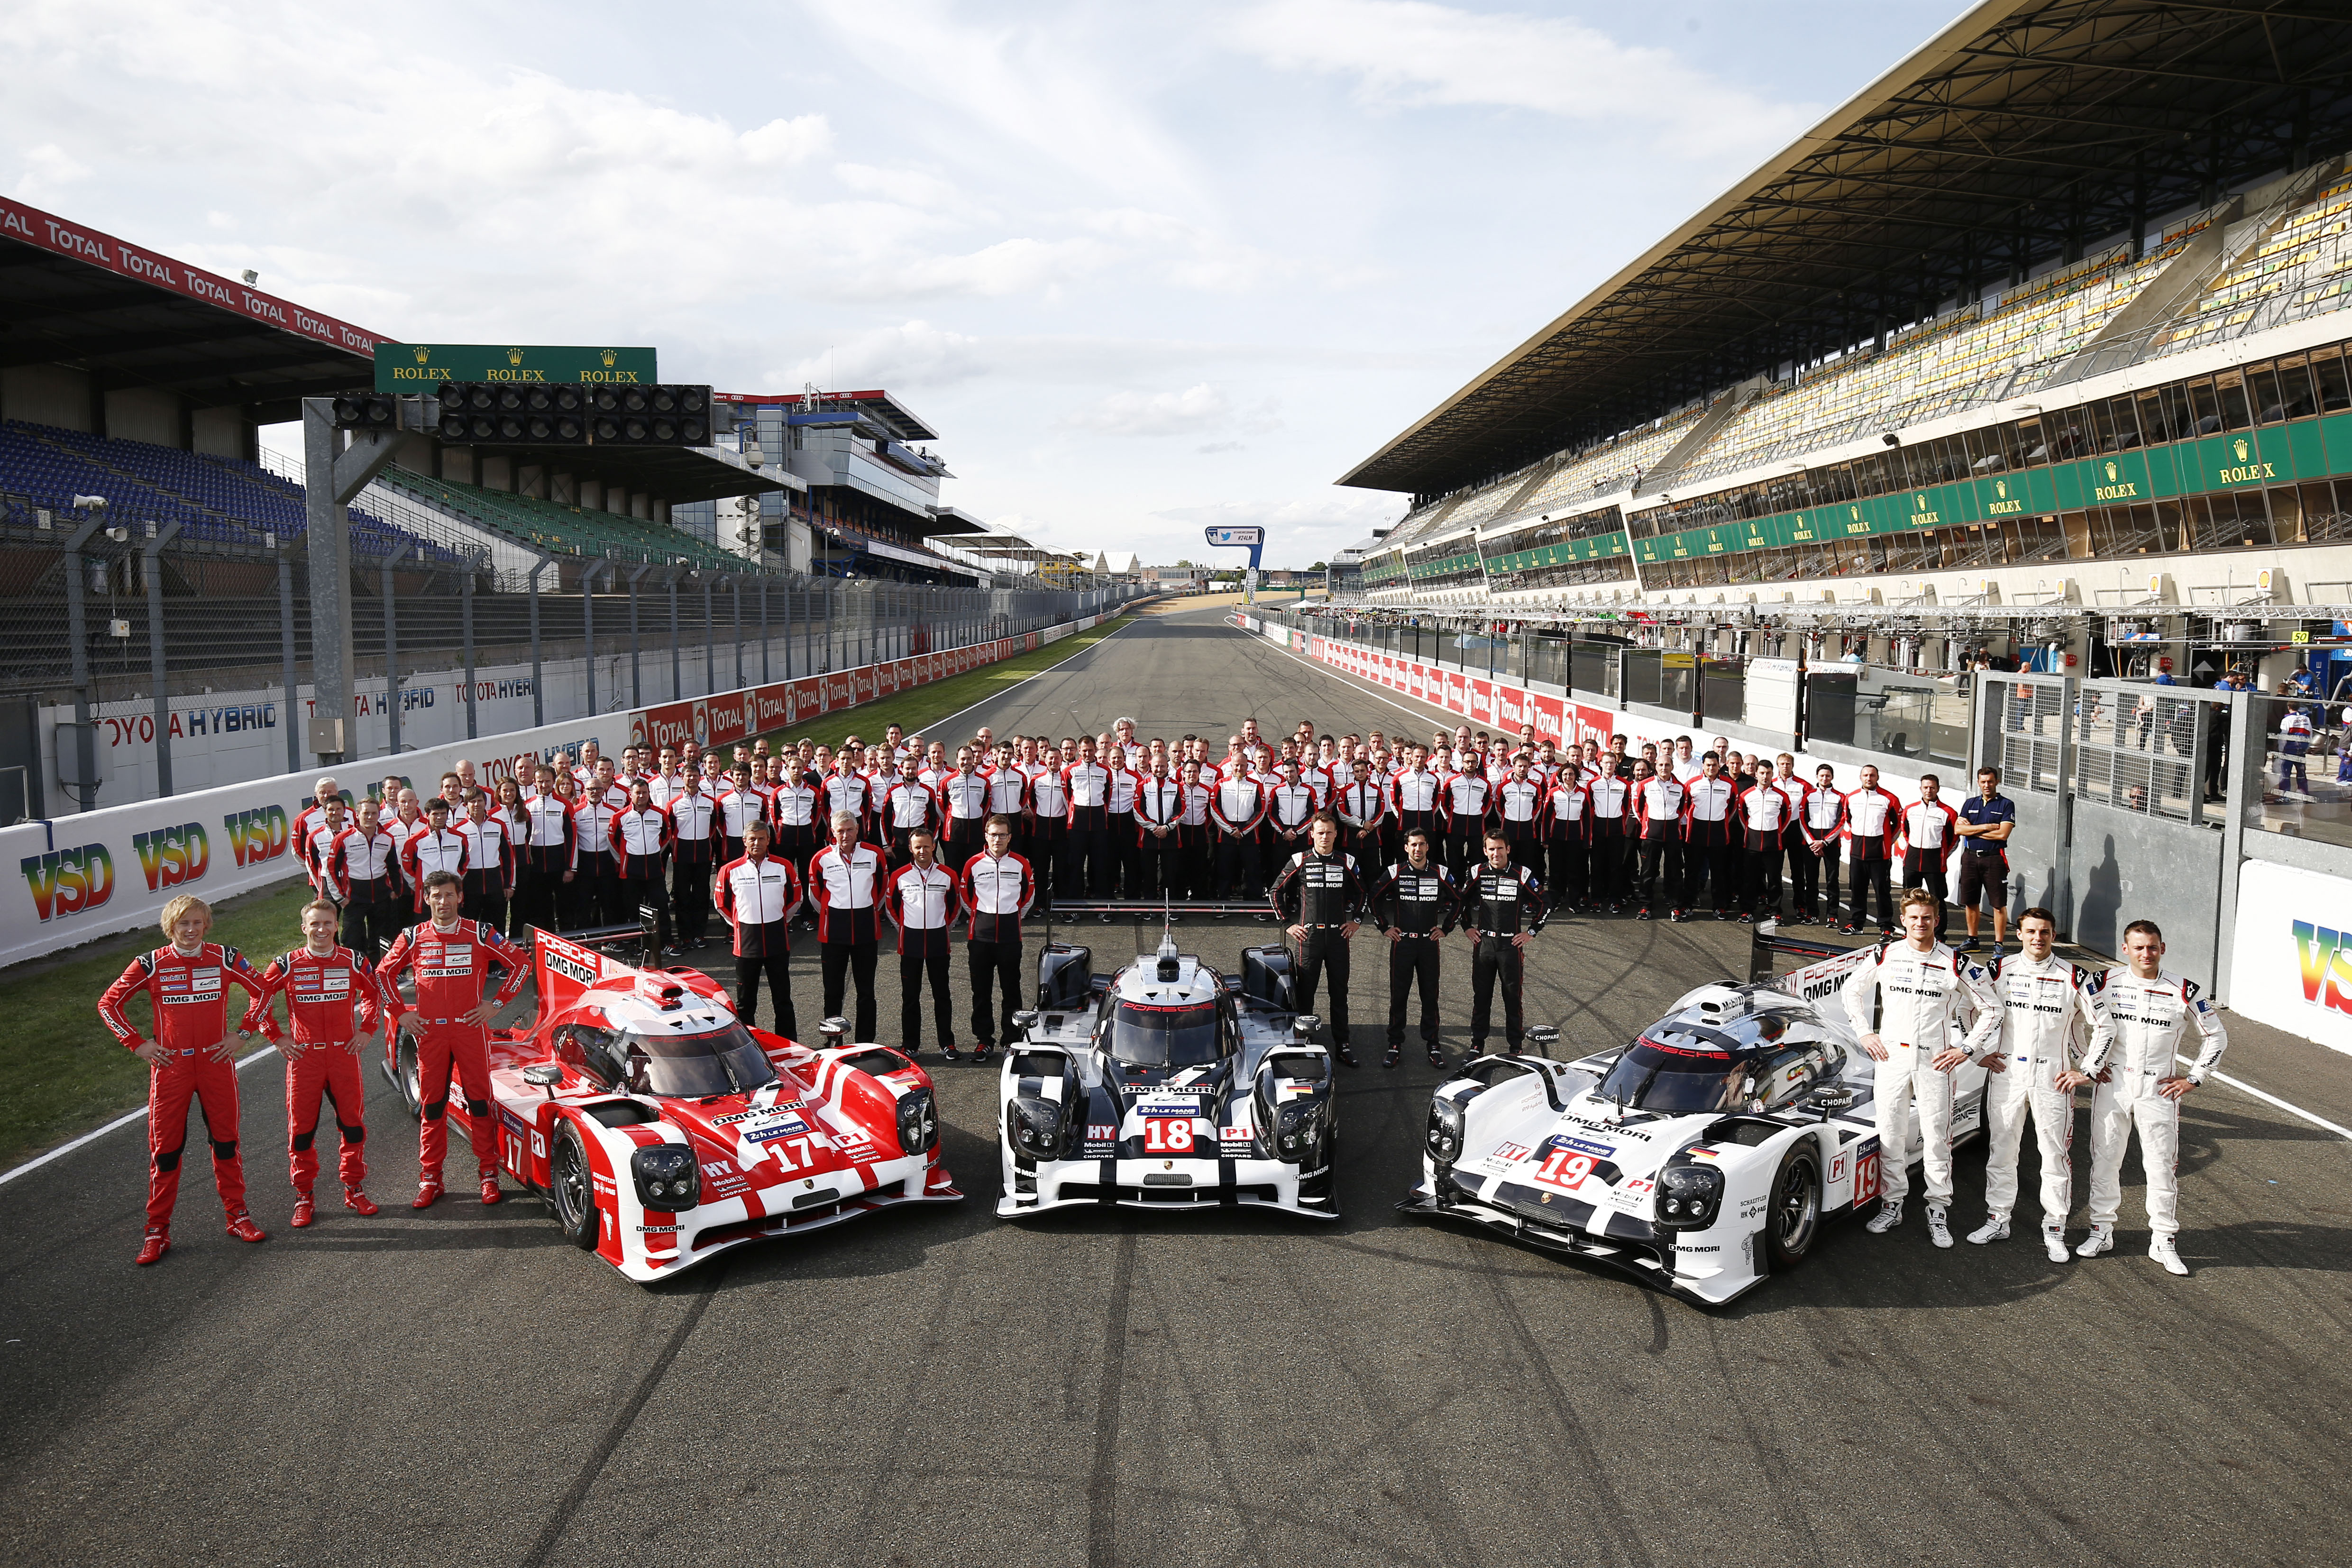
pixel 68 881
pixel 2326 959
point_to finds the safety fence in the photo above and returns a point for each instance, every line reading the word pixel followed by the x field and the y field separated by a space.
pixel 95 873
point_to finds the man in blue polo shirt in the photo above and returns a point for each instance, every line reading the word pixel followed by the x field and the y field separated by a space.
pixel 1987 819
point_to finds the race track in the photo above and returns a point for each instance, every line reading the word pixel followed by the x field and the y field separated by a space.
pixel 941 1388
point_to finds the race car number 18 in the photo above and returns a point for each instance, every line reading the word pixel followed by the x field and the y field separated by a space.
pixel 1168 1134
pixel 1562 1168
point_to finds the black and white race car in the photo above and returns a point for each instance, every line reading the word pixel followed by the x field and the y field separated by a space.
pixel 1702 1157
pixel 1167 1086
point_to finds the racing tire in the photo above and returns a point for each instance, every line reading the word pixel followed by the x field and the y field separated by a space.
pixel 572 1189
pixel 1793 1218
pixel 407 1078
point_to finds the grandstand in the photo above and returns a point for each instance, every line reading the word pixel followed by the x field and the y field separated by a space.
pixel 2038 318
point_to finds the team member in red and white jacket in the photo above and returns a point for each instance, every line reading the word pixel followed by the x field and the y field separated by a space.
pixel 1873 817
pixel 1085 866
pixel 908 806
pixel 1658 800
pixel 438 848
pixel 334 1002
pixel 1124 853
pixel 1765 812
pixel 697 836
pixel 1469 800
pixel 452 957
pixel 997 885
pixel 1237 806
pixel 327 793
pixel 847 789
pixel 963 806
pixel 543 851
pixel 1361 806
pixel 641 838
pixel 1008 794
pixel 1710 845
pixel 186 982
pixel 757 895
pixel 1925 842
pixel 846 880
pixel 1159 833
pixel 490 861
pixel 1820 845
pixel 316 847
pixel 596 881
pixel 742 804
pixel 922 898
pixel 1568 839
pixel 1195 853
pixel 364 863
pixel 1049 824
pixel 1519 809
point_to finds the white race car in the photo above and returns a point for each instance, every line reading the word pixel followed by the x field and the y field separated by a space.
pixel 1701 1157
pixel 1166 1087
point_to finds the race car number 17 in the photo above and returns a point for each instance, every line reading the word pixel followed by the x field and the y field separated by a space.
pixel 1564 1168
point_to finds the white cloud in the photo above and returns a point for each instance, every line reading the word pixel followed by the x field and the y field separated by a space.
pixel 1196 408
pixel 1215 447
pixel 1412 54
pixel 46 171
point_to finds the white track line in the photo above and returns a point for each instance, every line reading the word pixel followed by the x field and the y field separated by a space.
pixel 2239 1084
pixel 1020 683
pixel 125 1120
pixel 1355 682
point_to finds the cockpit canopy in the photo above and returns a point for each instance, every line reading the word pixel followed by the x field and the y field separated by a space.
pixel 1183 1034
pixel 724 1061
pixel 1762 1056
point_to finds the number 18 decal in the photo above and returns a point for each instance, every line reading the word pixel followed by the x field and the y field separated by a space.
pixel 1168 1134
pixel 1562 1168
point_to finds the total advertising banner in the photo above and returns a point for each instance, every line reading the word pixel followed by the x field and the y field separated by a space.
pixel 2291 961
pixel 99 872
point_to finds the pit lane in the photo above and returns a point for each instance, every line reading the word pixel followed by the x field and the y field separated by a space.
pixel 939 1387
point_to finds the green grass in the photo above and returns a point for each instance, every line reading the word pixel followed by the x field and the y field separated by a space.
pixel 65 1072
pixel 926 705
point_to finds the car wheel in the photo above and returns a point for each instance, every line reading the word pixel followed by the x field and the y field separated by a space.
pixel 1794 1218
pixel 412 1087
pixel 570 1189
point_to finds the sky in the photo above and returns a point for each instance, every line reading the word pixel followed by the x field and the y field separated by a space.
pixel 1144 267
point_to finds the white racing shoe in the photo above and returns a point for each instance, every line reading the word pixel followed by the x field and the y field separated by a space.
pixel 2101 1240
pixel 1994 1229
pixel 1889 1216
pixel 2167 1252
pixel 1940 1230
pixel 2053 1241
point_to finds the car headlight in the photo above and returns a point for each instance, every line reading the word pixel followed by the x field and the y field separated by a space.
pixel 1445 1130
pixel 918 1122
pixel 1035 1125
pixel 667 1177
pixel 1297 1129
pixel 1689 1196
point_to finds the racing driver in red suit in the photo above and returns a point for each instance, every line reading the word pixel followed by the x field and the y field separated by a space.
pixel 186 981
pixel 452 957
pixel 332 996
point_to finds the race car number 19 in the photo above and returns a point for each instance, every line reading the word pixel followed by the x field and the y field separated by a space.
pixel 1562 1168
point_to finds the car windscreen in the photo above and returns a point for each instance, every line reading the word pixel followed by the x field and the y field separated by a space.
pixel 1672 1080
pixel 687 1067
pixel 1186 1035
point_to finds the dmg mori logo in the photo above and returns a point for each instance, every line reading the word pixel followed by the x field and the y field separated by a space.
pixel 68 881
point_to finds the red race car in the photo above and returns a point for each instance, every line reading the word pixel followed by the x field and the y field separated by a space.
pixel 661 1131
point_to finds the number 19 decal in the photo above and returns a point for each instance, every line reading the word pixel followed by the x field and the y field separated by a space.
pixel 1563 1169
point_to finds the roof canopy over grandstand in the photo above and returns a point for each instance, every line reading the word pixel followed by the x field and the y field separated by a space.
pixel 2021 135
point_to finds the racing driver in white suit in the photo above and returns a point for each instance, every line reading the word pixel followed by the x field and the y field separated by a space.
pixel 1920 986
pixel 2051 1011
pixel 2149 1012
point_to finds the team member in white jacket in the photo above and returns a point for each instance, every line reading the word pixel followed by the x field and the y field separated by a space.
pixel 2051 1011
pixel 2150 1012
pixel 1919 986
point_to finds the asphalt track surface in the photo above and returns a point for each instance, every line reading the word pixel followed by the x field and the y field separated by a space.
pixel 941 1387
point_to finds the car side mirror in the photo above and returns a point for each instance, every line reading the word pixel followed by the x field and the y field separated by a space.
pixel 1543 1039
pixel 1304 1026
pixel 543 1075
pixel 835 1031
pixel 1832 1100
pixel 1025 1020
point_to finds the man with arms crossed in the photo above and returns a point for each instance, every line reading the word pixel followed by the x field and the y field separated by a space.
pixel 1917 986
pixel 2150 1012
pixel 2049 1010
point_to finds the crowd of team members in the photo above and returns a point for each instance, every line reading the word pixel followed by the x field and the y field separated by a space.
pixel 1491 836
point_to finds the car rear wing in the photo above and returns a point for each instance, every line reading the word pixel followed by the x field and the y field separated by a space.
pixel 569 963
pixel 1822 968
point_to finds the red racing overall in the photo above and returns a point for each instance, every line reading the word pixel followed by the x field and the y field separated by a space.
pixel 451 966
pixel 189 993
pixel 333 998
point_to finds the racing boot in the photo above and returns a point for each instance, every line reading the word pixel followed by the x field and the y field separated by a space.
pixel 1347 1058
pixel 429 1189
pixel 153 1245
pixel 1395 1055
pixel 1939 1229
pixel 949 1051
pixel 1436 1057
pixel 1889 1216
pixel 2167 1252
pixel 2101 1240
pixel 358 1201
pixel 979 1054
pixel 241 1226
pixel 490 1193
pixel 2054 1242
pixel 1995 1229
pixel 305 1211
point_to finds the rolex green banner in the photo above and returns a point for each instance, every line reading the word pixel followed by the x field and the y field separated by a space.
pixel 422 367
